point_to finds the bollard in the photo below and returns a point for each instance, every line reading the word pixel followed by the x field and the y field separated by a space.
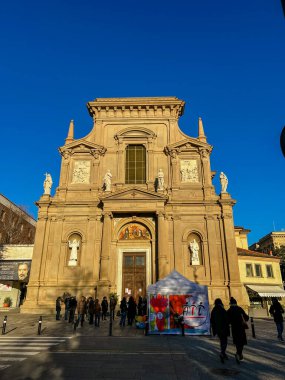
pixel 4 325
pixel 182 328
pixel 146 328
pixel 40 325
pixel 111 323
pixel 252 327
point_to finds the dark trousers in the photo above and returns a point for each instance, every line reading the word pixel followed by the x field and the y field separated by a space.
pixel 130 319
pixel 80 319
pixel 66 314
pixel 91 317
pixel 123 318
pixel 71 315
pixel 239 348
pixel 97 320
pixel 104 314
pixel 57 317
pixel 279 326
pixel 223 343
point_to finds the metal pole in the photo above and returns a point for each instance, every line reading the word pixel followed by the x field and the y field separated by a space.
pixel 252 327
pixel 111 322
pixel 4 325
pixel 182 327
pixel 40 325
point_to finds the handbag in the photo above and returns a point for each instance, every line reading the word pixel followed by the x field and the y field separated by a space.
pixel 244 323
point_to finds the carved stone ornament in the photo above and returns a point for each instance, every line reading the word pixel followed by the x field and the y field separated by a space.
pixel 66 154
pixel 189 171
pixel 81 172
pixel 74 246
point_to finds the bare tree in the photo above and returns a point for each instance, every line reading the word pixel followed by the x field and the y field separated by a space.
pixel 15 225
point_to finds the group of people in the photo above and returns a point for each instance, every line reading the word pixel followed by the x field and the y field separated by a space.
pixel 129 309
pixel 92 309
pixel 235 316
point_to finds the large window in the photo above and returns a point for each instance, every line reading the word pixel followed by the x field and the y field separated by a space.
pixel 269 271
pixel 135 164
pixel 258 271
pixel 249 272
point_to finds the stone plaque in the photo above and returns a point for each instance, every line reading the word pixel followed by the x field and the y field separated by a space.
pixel 189 171
pixel 81 172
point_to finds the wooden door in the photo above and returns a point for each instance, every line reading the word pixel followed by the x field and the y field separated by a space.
pixel 134 274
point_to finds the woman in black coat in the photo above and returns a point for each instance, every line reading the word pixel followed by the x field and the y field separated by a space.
pixel 237 319
pixel 132 309
pixel 220 326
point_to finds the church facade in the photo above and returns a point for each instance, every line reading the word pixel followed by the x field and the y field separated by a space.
pixel 135 200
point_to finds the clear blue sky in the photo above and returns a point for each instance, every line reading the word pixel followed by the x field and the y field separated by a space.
pixel 225 58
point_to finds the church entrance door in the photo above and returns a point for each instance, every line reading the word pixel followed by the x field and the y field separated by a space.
pixel 134 274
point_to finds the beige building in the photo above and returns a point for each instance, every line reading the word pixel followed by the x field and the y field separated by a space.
pixel 260 275
pixel 135 200
pixel 270 242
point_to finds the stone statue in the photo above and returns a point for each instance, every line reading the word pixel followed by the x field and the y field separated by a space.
pixel 224 182
pixel 47 184
pixel 160 177
pixel 74 245
pixel 194 248
pixel 108 181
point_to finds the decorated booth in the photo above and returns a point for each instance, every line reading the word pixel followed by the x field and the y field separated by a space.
pixel 175 300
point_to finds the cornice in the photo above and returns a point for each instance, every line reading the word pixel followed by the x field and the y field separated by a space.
pixel 156 107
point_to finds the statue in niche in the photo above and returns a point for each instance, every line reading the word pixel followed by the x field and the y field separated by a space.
pixel 194 249
pixel 224 182
pixel 74 245
pixel 107 181
pixel 160 178
pixel 47 184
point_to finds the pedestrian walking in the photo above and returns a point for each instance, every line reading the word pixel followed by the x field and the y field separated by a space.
pixel 91 310
pixel 58 308
pixel 140 306
pixel 237 319
pixel 81 309
pixel 123 311
pixel 104 306
pixel 72 308
pixel 276 310
pixel 132 308
pixel 97 312
pixel 66 311
pixel 220 326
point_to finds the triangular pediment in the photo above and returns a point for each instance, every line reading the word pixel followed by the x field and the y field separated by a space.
pixel 83 146
pixel 134 194
pixel 188 145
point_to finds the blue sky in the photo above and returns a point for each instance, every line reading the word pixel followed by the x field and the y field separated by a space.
pixel 224 58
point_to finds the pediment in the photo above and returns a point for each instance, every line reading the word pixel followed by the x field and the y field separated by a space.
pixel 134 194
pixel 187 145
pixel 83 146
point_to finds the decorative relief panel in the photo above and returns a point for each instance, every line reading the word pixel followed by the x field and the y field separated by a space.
pixel 134 231
pixel 189 171
pixel 81 172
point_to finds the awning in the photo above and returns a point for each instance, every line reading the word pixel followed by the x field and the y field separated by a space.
pixel 268 290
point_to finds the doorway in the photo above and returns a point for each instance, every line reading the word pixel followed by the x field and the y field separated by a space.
pixel 134 274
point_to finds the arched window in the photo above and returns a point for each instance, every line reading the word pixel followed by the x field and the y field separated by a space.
pixel 135 164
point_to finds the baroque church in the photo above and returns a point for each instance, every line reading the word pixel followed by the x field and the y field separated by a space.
pixel 135 201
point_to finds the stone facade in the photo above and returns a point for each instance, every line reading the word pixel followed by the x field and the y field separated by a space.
pixel 128 235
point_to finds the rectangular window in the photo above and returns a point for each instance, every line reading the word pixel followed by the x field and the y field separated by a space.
pixel 249 271
pixel 258 271
pixel 269 271
pixel 135 164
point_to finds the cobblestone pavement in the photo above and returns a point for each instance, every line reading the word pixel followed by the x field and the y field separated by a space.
pixel 91 353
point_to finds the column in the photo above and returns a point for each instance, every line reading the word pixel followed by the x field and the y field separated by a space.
pixel 105 250
pixel 163 263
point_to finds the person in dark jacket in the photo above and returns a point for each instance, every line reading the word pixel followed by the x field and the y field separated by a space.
pixel 276 310
pixel 123 311
pixel 104 306
pixel 97 312
pixel 91 310
pixel 82 310
pixel 237 319
pixel 220 326
pixel 72 308
pixel 58 308
pixel 132 309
